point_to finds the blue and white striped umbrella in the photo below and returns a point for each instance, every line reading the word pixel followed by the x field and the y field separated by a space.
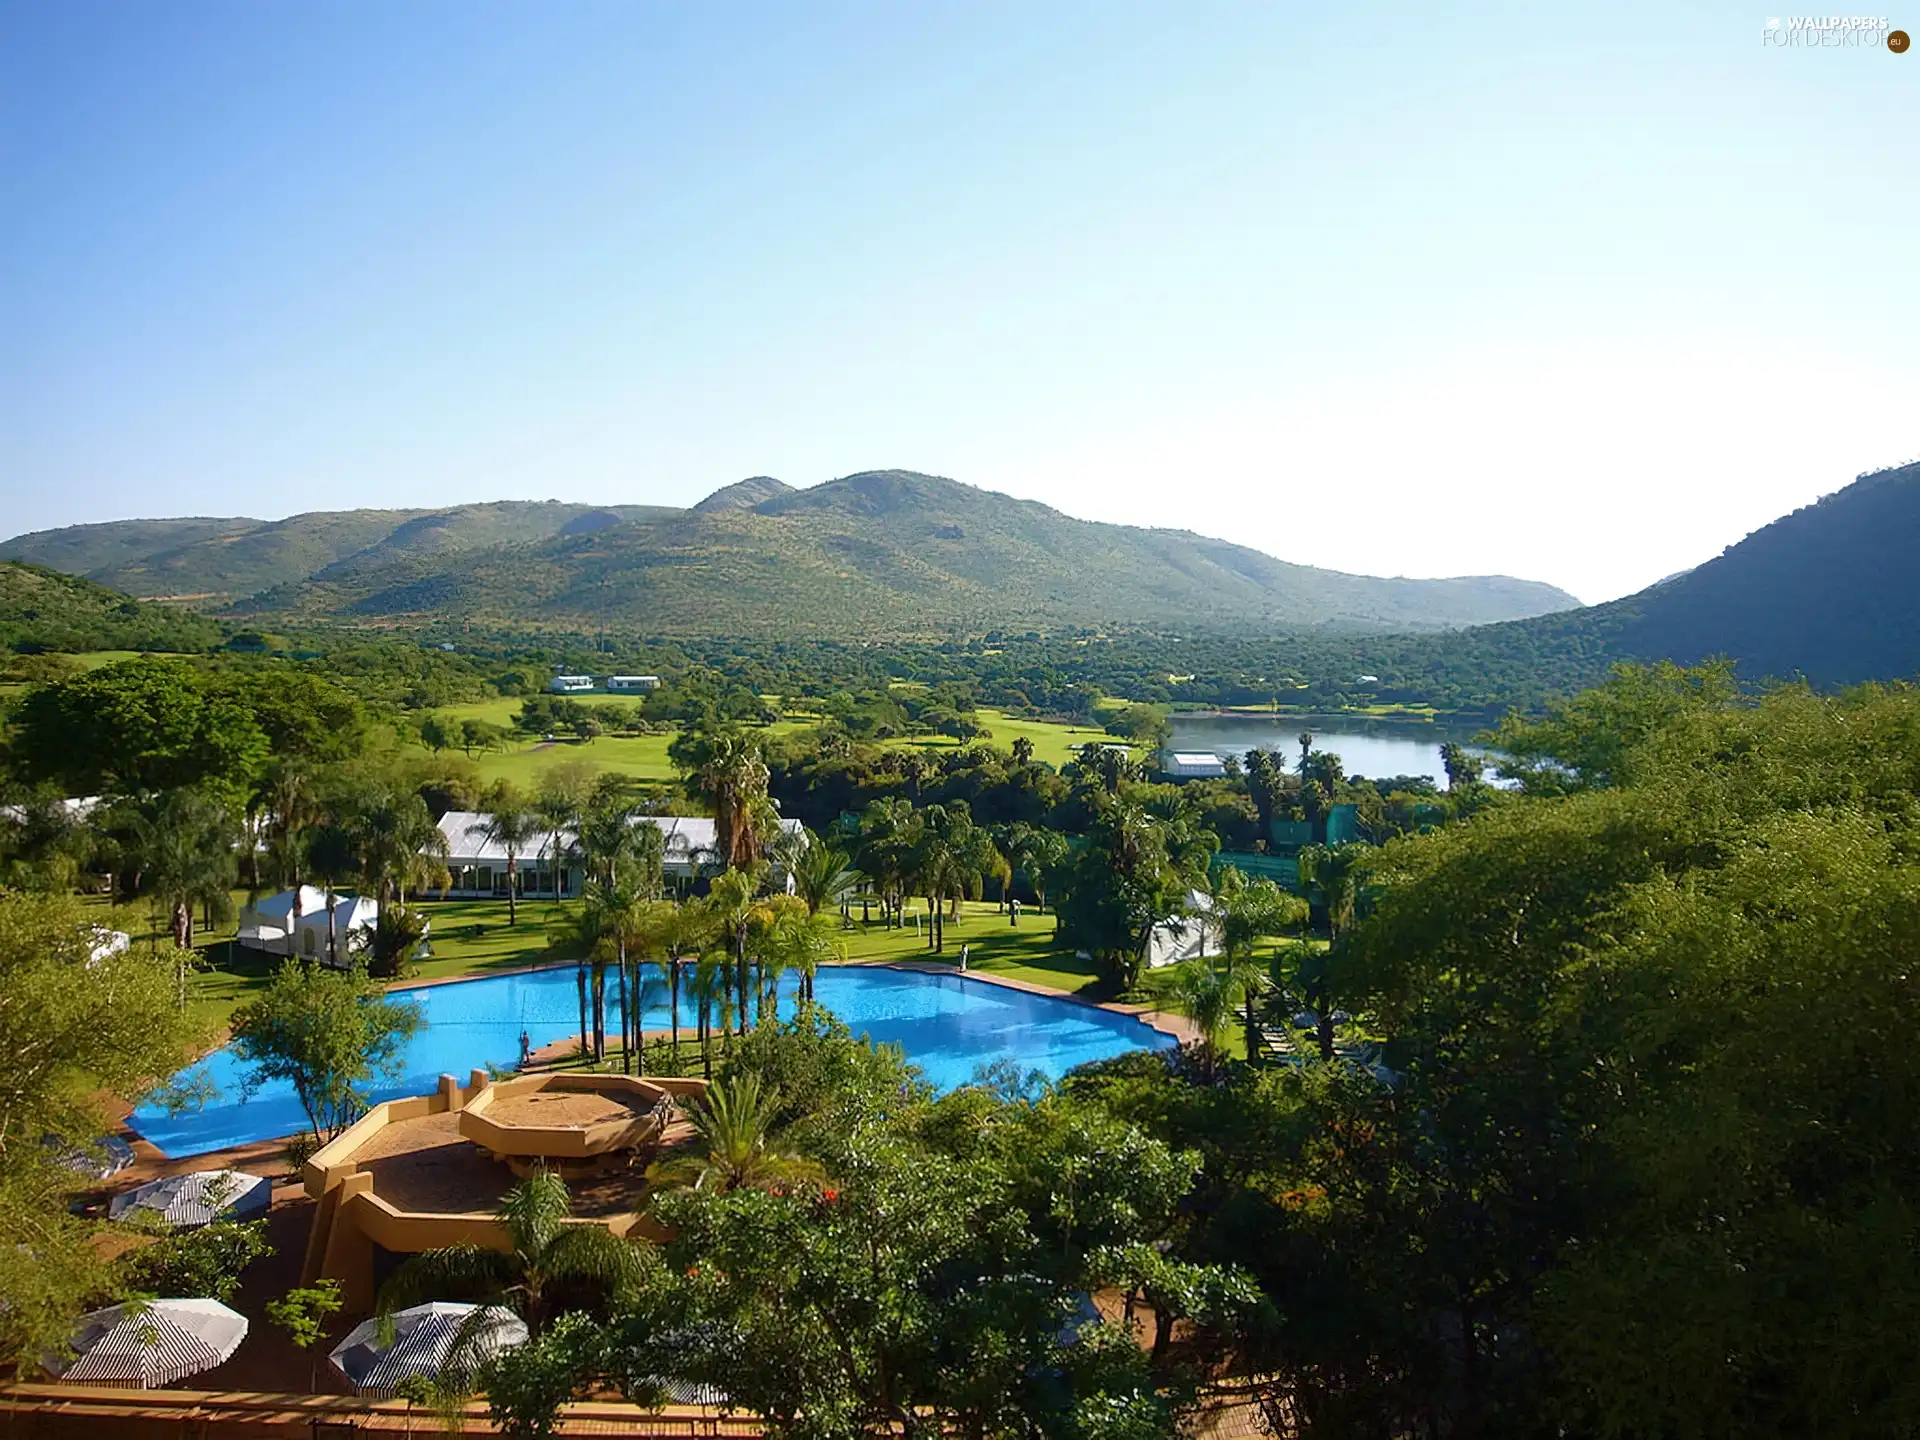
pixel 424 1337
pixel 184 1201
pixel 153 1343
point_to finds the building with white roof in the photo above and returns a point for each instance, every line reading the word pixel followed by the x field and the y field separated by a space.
pixel 1195 765
pixel 632 684
pixel 550 865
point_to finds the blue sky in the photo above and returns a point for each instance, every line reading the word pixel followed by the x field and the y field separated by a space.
pixel 1574 292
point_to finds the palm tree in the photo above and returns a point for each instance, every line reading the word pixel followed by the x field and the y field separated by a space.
pixel 513 826
pixel 802 943
pixel 731 903
pixel 550 1261
pixel 1247 911
pixel 1336 871
pixel 707 984
pixel 1037 852
pixel 397 932
pixel 183 844
pixel 1207 992
pixel 724 768
pixel 822 873
pixel 738 1148
pixel 399 845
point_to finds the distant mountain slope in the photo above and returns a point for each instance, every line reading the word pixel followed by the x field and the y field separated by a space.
pixel 88 549
pixel 744 494
pixel 884 553
pixel 216 562
pixel 41 609
pixel 1830 592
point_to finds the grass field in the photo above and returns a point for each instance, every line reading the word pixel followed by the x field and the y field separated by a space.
pixel 644 757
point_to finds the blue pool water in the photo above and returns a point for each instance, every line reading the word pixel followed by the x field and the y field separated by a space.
pixel 949 1026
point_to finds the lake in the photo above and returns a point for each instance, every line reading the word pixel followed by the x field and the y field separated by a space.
pixel 1374 748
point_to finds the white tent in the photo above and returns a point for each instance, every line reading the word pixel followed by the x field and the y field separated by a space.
pixel 424 1341
pixel 184 1201
pixel 270 924
pixel 155 1343
pixel 1187 937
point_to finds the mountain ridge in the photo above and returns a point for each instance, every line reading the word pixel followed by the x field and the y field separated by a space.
pixel 875 552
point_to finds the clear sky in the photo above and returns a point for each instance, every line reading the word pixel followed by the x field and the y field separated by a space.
pixel 1580 293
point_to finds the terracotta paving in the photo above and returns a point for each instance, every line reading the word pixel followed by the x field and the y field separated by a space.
pixel 562 1107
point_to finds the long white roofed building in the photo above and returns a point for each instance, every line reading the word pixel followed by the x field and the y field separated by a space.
pixel 549 865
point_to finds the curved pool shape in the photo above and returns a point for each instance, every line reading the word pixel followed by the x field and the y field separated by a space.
pixel 949 1025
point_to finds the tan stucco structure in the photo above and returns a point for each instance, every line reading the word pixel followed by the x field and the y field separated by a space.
pixel 352 1216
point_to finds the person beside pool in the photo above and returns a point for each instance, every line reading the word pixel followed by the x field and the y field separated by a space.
pixel 526 1047
pixel 965 951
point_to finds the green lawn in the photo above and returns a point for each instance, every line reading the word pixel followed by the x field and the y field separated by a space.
pixel 644 757
pixel 1052 743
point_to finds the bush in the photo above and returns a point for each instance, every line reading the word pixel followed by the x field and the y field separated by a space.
pixel 197 1263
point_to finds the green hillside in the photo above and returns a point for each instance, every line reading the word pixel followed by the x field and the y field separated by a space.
pixel 880 553
pixel 93 549
pixel 215 562
pixel 1830 593
pixel 43 610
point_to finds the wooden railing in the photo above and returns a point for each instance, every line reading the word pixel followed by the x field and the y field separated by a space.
pixel 87 1412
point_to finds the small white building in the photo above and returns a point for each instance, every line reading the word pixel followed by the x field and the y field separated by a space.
pixel 632 684
pixel 1195 765
pixel 270 923
pixel 570 684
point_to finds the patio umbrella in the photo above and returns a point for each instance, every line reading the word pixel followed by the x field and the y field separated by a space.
pixel 99 1159
pixel 156 1343
pixel 184 1201
pixel 424 1339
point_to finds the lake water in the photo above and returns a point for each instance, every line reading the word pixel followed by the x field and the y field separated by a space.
pixel 949 1026
pixel 1372 748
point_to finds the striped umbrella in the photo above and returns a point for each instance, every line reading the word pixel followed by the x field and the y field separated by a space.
pixel 184 1201
pixel 155 1343
pixel 425 1338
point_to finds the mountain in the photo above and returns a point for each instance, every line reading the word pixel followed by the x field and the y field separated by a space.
pixel 886 552
pixel 42 610
pixel 744 494
pixel 1830 593
pixel 215 562
pixel 882 553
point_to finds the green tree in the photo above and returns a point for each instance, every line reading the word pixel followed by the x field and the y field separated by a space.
pixel 183 843
pixel 554 1265
pixel 135 728
pixel 724 769
pixel 328 1034
pixel 74 1026
pixel 738 1145
pixel 513 826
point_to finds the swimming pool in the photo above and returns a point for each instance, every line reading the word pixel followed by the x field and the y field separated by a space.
pixel 949 1025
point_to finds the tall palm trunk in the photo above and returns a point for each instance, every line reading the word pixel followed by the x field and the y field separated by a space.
pixel 626 1017
pixel 513 888
pixel 580 984
pixel 673 1007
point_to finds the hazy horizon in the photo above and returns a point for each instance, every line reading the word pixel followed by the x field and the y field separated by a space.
pixel 1582 296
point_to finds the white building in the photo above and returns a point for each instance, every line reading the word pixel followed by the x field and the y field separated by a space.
pixel 632 684
pixel 570 684
pixel 270 923
pixel 549 865
pixel 1195 765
